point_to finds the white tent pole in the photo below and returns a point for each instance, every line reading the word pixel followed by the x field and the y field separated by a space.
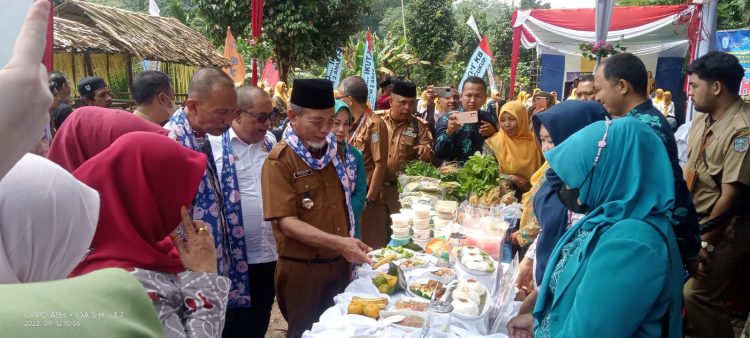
pixel 706 38
pixel 603 12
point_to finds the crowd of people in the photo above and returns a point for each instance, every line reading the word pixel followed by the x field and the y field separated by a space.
pixel 190 220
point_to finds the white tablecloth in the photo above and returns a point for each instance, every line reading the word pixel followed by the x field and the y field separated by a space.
pixel 335 322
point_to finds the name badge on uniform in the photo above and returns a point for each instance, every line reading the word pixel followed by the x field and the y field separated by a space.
pixel 741 144
pixel 303 173
pixel 409 133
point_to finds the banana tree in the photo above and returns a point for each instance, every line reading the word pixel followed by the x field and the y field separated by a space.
pixel 391 55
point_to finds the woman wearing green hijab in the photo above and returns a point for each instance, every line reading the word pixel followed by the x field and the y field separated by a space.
pixel 621 259
pixel 341 126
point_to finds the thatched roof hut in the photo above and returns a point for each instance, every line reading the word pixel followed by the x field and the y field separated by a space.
pixel 98 40
pixel 74 37
pixel 145 36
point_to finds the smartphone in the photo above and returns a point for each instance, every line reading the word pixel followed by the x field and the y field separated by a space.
pixel 465 117
pixel 442 92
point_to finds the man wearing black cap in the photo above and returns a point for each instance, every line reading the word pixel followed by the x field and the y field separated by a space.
pixel 306 196
pixel 369 136
pixel 383 101
pixel 409 137
pixel 94 92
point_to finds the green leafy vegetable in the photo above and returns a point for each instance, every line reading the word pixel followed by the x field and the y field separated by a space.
pixel 419 168
pixel 479 175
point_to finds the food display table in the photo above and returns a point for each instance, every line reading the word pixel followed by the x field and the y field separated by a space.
pixel 495 293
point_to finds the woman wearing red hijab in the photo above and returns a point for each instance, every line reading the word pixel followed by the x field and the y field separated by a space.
pixel 144 181
pixel 89 130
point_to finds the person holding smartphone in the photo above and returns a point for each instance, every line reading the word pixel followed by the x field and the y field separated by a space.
pixel 447 101
pixel 462 133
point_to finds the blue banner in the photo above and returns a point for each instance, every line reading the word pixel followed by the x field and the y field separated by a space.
pixel 737 43
pixel 333 70
pixel 479 62
pixel 368 72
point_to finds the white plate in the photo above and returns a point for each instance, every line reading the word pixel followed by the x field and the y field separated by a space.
pixel 420 281
pixel 411 299
pixel 486 258
pixel 485 301
pixel 419 257
pixel 374 253
pixel 442 279
pixel 386 314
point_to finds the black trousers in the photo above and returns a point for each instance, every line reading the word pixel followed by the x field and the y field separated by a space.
pixel 253 322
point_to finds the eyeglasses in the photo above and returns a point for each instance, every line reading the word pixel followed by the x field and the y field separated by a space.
pixel 261 117
pixel 341 97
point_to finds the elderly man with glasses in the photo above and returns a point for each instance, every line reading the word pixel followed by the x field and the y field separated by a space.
pixel 242 150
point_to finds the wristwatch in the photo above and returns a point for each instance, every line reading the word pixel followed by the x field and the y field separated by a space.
pixel 709 248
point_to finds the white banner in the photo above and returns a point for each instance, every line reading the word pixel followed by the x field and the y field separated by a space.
pixel 333 70
pixel 479 62
pixel 368 72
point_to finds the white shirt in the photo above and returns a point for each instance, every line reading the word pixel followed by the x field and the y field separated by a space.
pixel 260 243
pixel 681 136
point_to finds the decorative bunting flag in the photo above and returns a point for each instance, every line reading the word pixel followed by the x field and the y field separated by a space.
pixel 237 68
pixel 270 73
pixel 368 71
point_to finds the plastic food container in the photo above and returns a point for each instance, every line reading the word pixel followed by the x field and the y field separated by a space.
pixel 446 216
pixel 395 241
pixel 421 211
pixel 420 224
pixel 400 221
pixel 441 223
pixel 399 232
pixel 409 213
pixel 422 235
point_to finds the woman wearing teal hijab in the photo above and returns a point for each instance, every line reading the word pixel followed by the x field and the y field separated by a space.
pixel 341 126
pixel 617 271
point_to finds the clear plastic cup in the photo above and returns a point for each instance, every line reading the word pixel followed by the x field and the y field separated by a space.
pixel 400 232
pixel 421 211
pixel 400 220
pixel 422 235
pixel 420 224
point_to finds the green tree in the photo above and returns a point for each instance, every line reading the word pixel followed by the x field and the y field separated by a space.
pixel 527 4
pixel 308 32
pixel 379 10
pixel 220 14
pixel 430 25
pixel 392 22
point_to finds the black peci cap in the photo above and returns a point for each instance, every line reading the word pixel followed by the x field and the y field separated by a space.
pixel 313 93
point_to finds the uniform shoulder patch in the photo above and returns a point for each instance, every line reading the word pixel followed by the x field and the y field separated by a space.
pixel 741 144
pixel 276 151
pixel 374 137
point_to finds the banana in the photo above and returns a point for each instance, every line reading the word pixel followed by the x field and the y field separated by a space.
pixel 379 302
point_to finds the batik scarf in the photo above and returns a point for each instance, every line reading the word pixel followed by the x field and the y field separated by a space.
pixel 345 171
pixel 221 210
